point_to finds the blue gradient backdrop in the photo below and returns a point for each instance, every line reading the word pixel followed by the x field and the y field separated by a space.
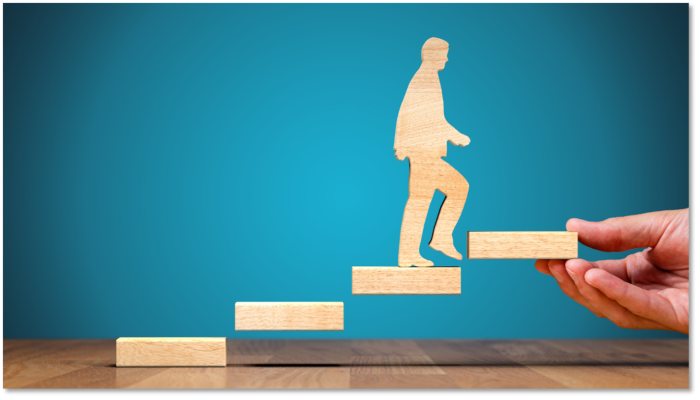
pixel 162 162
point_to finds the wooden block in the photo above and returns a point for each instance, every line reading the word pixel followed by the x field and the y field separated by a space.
pixel 171 352
pixel 289 316
pixel 396 280
pixel 524 245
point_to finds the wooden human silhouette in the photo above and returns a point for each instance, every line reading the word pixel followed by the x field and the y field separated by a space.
pixel 421 136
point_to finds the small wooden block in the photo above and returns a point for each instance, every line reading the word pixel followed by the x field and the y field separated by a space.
pixel 396 280
pixel 522 245
pixel 171 352
pixel 289 316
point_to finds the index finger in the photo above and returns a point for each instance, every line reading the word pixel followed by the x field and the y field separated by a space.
pixel 623 233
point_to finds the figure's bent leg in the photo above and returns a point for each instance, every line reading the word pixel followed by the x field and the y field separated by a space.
pixel 455 190
pixel 412 231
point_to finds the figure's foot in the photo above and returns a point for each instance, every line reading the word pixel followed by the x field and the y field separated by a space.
pixel 417 260
pixel 447 249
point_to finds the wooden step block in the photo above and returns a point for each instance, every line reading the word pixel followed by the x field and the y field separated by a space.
pixel 171 352
pixel 524 245
pixel 289 316
pixel 396 280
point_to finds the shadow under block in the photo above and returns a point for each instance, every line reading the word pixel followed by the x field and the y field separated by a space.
pixel 522 245
pixel 171 352
pixel 289 316
pixel 396 280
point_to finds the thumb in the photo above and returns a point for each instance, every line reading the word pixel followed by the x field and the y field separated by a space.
pixel 623 233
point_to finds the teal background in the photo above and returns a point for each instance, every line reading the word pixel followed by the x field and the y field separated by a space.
pixel 162 162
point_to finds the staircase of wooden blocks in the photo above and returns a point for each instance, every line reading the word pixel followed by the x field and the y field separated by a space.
pixel 328 316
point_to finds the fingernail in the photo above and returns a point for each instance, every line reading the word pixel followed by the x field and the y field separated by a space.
pixel 572 275
pixel 556 275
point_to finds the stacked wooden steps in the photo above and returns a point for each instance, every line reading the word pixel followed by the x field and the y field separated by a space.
pixel 329 316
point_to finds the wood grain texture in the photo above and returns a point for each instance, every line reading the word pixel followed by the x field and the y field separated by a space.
pixel 313 352
pixel 185 378
pixel 522 245
pixel 610 364
pixel 298 377
pixel 289 316
pixel 499 377
pixel 171 352
pixel 361 381
pixel 422 133
pixel 394 364
pixel 394 280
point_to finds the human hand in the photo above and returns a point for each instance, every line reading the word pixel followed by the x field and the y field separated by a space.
pixel 646 290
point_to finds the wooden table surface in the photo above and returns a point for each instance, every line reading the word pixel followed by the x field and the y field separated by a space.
pixel 364 364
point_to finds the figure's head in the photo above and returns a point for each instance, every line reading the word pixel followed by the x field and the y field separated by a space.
pixel 434 52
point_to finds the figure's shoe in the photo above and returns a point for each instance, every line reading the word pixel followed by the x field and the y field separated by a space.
pixel 447 249
pixel 418 261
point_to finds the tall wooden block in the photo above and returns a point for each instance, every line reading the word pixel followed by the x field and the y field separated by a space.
pixel 289 316
pixel 171 352
pixel 526 245
pixel 396 280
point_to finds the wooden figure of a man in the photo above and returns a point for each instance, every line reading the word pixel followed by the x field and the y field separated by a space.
pixel 422 134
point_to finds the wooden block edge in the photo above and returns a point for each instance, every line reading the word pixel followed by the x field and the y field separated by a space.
pixel 469 257
pixel 222 340
pixel 173 366
pixel 339 304
pixel 457 268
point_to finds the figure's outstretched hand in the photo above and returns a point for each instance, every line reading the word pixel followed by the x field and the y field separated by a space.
pixel 646 290
pixel 459 139
pixel 400 155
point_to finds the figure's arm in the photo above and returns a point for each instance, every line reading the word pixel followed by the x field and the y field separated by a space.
pixel 457 138
pixel 400 155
